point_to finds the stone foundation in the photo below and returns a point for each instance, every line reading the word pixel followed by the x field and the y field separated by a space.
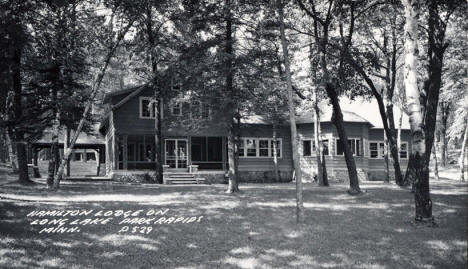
pixel 134 177
pixel 211 177
pixel 379 175
pixel 245 177
pixel 343 176
pixel 264 176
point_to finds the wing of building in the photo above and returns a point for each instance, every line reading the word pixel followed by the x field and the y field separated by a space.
pixel 194 140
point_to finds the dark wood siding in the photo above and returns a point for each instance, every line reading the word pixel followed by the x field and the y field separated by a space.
pixel 266 164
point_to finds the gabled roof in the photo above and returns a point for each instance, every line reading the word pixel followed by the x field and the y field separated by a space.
pixel 369 109
pixel 358 110
pixel 326 116
pixel 109 95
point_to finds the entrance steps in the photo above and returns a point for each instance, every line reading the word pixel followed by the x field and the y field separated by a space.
pixel 181 178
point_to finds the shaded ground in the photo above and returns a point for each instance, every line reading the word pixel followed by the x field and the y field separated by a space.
pixel 253 229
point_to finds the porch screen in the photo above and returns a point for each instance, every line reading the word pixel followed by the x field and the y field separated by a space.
pixel 207 152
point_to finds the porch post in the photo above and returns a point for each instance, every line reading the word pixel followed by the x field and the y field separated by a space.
pixel 189 151
pixel 144 150
pixel 224 152
pixel 98 160
pixel 35 153
pixel 29 153
pixel 124 153
pixel 115 151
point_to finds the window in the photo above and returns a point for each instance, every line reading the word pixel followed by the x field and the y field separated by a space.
pixel 377 150
pixel 263 147
pixel 176 109
pixel 325 146
pixel 278 148
pixel 259 147
pixel 196 109
pixel 206 111
pixel 403 150
pixel 200 110
pixel 251 147
pixel 354 144
pixel 241 148
pixel 307 148
pixel 147 108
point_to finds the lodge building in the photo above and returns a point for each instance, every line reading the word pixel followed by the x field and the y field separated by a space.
pixel 200 152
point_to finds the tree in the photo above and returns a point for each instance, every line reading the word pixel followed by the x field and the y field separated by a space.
pixel 114 42
pixel 381 49
pixel 422 197
pixel 292 120
pixel 16 113
pixel 343 79
pixel 463 155
pixel 322 175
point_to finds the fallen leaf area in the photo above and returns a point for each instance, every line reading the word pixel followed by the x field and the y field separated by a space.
pixel 156 226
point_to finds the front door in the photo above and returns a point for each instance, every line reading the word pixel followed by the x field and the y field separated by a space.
pixel 176 153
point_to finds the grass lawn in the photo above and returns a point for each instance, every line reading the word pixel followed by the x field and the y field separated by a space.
pixel 253 229
pixel 77 168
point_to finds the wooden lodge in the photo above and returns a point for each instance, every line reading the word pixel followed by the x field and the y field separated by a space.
pixel 198 152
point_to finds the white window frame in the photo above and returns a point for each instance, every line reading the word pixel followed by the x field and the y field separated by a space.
pixel 176 104
pixel 379 153
pixel 200 107
pixel 312 146
pixel 257 147
pixel 349 138
pixel 152 112
pixel 407 150
pixel 312 142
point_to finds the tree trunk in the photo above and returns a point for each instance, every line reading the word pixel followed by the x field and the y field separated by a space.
pixel 337 119
pixel 445 110
pixel 436 165
pixel 22 162
pixel 3 148
pixel 461 161
pixel 17 136
pixel 158 141
pixel 11 153
pixel 423 203
pixel 233 185
pixel 275 154
pixel 158 95
pixel 400 123
pixel 435 53
pixel 386 160
pixel 292 119
pixel 444 147
pixel 321 174
pixel 53 182
pixel 95 88
pixel 324 168
pixel 66 142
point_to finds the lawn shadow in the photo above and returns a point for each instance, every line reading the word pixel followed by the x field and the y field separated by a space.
pixel 253 229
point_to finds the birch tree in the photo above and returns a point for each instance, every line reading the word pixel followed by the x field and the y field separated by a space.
pixel 112 47
pixel 423 202
pixel 292 119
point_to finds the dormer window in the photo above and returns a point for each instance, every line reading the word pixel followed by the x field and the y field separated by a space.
pixel 147 108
